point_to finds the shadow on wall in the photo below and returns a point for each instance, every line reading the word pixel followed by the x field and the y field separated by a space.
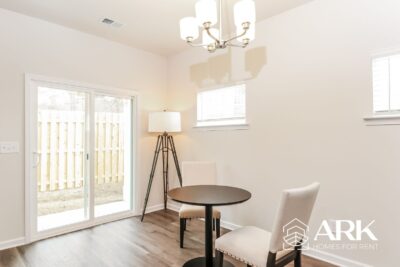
pixel 226 69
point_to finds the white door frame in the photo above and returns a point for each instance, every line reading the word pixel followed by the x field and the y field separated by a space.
pixel 31 233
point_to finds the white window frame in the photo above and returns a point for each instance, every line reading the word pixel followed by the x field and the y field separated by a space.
pixel 381 117
pixel 31 233
pixel 223 126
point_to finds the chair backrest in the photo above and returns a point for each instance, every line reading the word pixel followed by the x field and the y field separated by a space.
pixel 199 173
pixel 294 210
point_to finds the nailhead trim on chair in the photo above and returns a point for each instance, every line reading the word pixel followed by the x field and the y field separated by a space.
pixel 197 217
pixel 237 258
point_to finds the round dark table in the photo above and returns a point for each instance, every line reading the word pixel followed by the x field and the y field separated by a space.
pixel 208 196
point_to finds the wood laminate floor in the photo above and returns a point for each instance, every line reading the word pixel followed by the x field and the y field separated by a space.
pixel 128 242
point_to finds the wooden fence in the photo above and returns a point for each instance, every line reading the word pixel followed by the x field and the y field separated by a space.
pixel 61 148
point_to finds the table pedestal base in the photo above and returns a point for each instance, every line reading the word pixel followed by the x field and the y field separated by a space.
pixel 201 262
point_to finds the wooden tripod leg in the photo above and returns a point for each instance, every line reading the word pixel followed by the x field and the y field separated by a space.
pixel 153 169
pixel 166 172
pixel 164 148
pixel 175 156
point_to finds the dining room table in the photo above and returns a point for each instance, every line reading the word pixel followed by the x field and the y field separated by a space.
pixel 208 196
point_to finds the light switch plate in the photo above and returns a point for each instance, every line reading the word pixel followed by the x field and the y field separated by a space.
pixel 9 147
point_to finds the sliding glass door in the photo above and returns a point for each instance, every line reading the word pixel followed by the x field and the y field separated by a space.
pixel 81 141
pixel 62 172
pixel 113 154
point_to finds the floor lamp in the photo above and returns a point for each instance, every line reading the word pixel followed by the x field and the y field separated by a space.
pixel 163 123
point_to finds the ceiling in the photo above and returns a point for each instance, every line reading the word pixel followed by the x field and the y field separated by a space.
pixel 151 25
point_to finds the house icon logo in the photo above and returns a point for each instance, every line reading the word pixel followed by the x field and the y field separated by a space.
pixel 295 234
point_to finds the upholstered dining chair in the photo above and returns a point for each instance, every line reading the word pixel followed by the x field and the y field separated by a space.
pixel 257 247
pixel 197 173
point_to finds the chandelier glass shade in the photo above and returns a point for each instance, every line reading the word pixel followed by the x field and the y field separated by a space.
pixel 207 16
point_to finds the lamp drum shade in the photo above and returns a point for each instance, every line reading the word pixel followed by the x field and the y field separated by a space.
pixel 244 11
pixel 206 12
pixel 189 28
pixel 165 121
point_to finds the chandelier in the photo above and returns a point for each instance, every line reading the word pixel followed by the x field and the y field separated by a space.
pixel 206 18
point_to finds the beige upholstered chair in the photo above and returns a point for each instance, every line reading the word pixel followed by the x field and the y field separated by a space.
pixel 197 173
pixel 251 244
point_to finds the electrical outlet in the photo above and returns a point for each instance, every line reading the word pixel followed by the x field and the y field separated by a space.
pixel 9 147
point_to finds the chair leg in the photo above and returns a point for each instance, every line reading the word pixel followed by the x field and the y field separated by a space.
pixel 213 224
pixel 182 231
pixel 184 224
pixel 219 258
pixel 218 226
pixel 297 260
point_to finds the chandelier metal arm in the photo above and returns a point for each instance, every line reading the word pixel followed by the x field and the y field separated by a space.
pixel 237 36
pixel 237 45
pixel 212 36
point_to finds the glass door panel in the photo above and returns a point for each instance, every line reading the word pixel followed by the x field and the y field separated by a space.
pixel 62 175
pixel 113 155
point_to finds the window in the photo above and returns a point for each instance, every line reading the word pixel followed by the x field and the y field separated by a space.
pixel 386 84
pixel 220 107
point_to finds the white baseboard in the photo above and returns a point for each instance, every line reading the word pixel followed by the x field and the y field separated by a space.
pixel 174 206
pixel 170 205
pixel 154 208
pixel 12 243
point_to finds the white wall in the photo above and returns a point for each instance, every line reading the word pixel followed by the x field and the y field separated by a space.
pixel 309 85
pixel 34 46
pixel 308 88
